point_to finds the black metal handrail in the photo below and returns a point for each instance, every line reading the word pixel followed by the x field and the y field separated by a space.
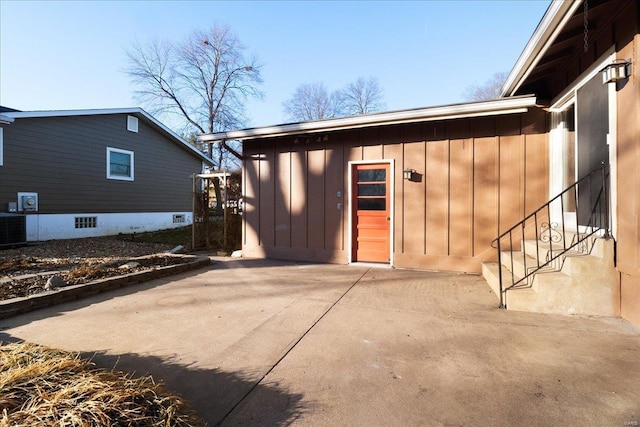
pixel 593 186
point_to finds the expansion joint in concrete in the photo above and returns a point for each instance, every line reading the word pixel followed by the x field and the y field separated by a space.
pixel 286 353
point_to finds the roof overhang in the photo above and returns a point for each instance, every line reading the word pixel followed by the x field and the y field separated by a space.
pixel 512 105
pixel 552 23
pixel 5 120
pixel 139 112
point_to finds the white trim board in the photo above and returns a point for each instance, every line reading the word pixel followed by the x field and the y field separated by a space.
pixel 513 105
pixel 347 205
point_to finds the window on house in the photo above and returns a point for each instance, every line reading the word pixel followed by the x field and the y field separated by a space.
pixel 132 124
pixel 179 218
pixel 119 164
pixel 86 221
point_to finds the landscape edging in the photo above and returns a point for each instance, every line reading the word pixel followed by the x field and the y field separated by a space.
pixel 16 306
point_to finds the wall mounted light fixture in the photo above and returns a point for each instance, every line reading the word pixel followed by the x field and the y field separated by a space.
pixel 408 174
pixel 617 70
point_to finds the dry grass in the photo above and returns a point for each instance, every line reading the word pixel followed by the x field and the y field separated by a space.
pixel 87 272
pixel 15 264
pixel 45 387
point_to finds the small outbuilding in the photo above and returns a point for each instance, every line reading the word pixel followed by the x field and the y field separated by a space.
pixel 436 188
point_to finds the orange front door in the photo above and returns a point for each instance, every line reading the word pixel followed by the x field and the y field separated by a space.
pixel 371 213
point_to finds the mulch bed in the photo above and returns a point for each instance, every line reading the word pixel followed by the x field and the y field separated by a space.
pixel 25 282
pixel 26 271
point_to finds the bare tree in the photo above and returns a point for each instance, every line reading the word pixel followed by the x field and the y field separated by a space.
pixel 362 96
pixel 312 101
pixel 204 81
pixel 486 91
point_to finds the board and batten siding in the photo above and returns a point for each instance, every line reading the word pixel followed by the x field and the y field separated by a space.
pixel 477 177
pixel 63 159
pixel 615 24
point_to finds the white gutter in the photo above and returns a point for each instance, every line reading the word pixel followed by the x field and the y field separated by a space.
pixel 5 120
pixel 477 109
pixel 553 21
pixel 65 113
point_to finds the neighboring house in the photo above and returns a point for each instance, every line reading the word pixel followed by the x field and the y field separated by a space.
pixel 433 188
pixel 68 174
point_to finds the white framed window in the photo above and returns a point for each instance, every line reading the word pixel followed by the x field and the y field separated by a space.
pixel 120 164
pixel 132 124
pixel 1 148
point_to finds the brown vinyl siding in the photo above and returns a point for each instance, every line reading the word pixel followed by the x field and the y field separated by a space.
pixel 471 184
pixel 63 159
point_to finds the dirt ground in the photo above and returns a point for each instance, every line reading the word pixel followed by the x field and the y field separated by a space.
pixel 26 270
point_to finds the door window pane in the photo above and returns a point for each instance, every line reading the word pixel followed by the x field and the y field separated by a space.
pixel 372 190
pixel 373 204
pixel 372 175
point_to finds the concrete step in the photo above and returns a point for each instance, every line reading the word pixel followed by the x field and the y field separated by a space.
pixel 490 272
pixel 530 247
pixel 591 246
pixel 518 263
pixel 561 293
pixel 577 283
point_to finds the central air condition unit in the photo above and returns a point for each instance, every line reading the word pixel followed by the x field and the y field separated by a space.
pixel 13 229
pixel 28 202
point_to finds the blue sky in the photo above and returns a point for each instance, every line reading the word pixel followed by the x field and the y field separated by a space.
pixel 70 54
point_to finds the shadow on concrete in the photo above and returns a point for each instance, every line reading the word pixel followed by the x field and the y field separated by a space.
pixel 211 393
pixel 90 299
pixel 246 263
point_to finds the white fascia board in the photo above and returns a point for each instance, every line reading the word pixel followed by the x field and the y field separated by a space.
pixel 63 113
pixel 105 111
pixel 448 112
pixel 6 120
pixel 553 21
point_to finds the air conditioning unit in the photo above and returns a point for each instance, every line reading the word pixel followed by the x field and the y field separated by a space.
pixel 13 229
pixel 28 202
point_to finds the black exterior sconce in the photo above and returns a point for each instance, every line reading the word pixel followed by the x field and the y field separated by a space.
pixel 409 174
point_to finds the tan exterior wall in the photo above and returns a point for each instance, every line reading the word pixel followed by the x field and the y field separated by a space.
pixel 628 176
pixel 621 31
pixel 477 177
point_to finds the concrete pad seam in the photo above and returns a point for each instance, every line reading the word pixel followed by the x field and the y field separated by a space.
pixel 291 347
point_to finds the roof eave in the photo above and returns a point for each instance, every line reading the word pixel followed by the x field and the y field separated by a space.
pixel 553 21
pixel 476 109
pixel 6 120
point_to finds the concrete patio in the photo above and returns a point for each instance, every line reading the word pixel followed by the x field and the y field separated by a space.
pixel 260 342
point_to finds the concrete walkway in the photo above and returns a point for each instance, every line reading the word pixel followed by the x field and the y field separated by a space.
pixel 255 342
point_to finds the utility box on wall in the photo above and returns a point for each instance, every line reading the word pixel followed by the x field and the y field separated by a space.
pixel 28 202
